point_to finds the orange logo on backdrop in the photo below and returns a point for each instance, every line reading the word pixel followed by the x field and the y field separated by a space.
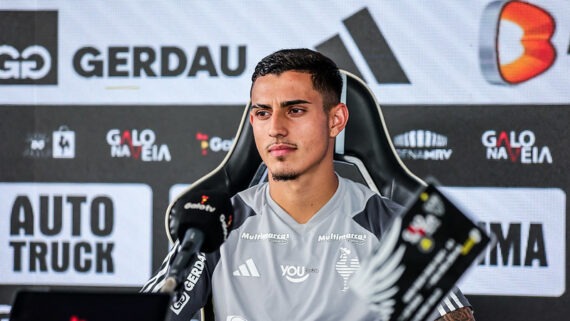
pixel 539 54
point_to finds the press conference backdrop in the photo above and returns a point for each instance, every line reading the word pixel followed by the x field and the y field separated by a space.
pixel 108 109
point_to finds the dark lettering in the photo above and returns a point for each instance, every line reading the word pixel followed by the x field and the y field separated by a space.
pixel 38 253
pixel 115 61
pixel 17 246
pixel 57 256
pixel 79 264
pixel 535 248
pixel 76 202
pixel 511 241
pixel 56 217
pixel 104 257
pixel 95 67
pixel 226 70
pixel 166 69
pixel 22 216
pixel 202 62
pixel 102 207
pixel 483 257
pixel 144 57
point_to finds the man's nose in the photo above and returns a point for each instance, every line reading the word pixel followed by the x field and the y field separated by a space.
pixel 278 125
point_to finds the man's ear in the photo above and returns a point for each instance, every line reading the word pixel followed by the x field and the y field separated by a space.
pixel 250 115
pixel 338 117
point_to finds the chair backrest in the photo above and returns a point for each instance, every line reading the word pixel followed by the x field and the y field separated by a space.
pixel 366 144
pixel 363 152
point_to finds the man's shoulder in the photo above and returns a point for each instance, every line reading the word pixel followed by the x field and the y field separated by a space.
pixel 364 194
pixel 253 197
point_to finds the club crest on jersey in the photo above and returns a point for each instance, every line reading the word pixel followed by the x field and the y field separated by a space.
pixel 347 264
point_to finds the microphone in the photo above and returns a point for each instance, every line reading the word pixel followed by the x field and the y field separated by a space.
pixel 200 221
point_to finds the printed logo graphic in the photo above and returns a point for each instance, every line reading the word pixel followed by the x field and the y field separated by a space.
pixel 515 42
pixel 138 145
pixel 190 283
pixel 75 233
pixel 37 145
pixel 358 239
pixel 61 144
pixel 201 206
pixel 167 61
pixel 515 147
pixel 346 265
pixel 423 145
pixel 247 269
pixel 279 238
pixel 215 144
pixel 28 47
pixel 296 273
pixel 372 45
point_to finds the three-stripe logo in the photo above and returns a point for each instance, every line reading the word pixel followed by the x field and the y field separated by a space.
pixel 248 269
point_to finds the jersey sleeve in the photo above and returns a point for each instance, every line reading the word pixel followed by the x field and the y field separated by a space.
pixel 196 288
pixel 453 301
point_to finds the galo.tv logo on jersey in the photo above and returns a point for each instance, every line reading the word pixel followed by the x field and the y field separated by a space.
pixel 515 42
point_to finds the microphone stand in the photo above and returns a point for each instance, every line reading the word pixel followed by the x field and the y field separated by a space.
pixel 190 245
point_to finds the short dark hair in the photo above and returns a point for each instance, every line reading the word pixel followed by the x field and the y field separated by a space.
pixel 324 72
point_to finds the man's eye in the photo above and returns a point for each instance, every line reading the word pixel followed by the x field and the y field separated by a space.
pixel 261 113
pixel 296 111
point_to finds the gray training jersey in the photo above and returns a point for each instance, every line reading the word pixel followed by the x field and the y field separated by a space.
pixel 273 268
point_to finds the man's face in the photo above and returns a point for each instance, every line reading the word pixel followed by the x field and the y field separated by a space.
pixel 290 126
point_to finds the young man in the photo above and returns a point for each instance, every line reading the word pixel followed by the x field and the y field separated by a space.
pixel 297 239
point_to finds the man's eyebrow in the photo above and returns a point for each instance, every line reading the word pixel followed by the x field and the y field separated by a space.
pixel 260 106
pixel 294 102
pixel 283 104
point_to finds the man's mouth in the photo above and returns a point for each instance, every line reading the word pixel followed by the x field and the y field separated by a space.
pixel 281 149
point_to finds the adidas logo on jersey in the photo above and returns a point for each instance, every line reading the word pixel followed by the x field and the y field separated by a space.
pixel 247 269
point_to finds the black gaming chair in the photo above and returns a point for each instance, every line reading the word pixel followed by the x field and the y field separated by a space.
pixel 363 152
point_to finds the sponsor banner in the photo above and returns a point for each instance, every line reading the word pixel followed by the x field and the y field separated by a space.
pixel 213 144
pixel 515 147
pixel 529 224
pixel 473 52
pixel 422 144
pixel 59 144
pixel 75 234
pixel 140 145
pixel 28 47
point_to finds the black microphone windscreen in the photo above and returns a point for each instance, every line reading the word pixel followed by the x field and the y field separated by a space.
pixel 207 211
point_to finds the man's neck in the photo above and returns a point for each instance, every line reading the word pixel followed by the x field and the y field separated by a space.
pixel 303 197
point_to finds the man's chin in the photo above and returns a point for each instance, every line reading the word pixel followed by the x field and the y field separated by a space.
pixel 283 177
